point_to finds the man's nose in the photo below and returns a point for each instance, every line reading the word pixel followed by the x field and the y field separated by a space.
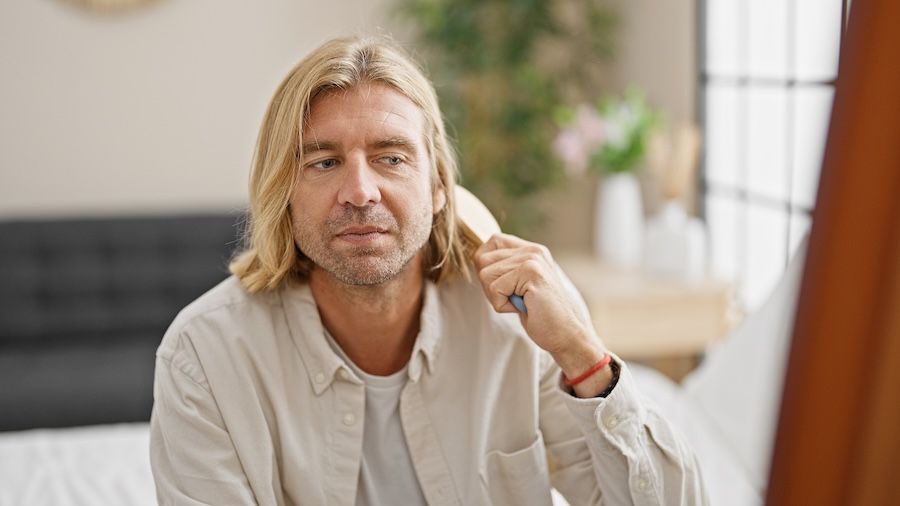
pixel 359 186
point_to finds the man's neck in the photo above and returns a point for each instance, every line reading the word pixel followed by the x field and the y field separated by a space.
pixel 376 326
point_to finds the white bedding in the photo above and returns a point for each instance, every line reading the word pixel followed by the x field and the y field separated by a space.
pixel 727 409
pixel 725 477
pixel 84 466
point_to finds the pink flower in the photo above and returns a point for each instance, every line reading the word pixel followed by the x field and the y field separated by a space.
pixel 590 126
pixel 569 146
pixel 576 143
pixel 608 137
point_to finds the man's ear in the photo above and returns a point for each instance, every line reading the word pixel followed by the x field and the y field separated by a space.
pixel 438 199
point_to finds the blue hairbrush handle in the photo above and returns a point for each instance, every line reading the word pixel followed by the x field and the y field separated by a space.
pixel 519 302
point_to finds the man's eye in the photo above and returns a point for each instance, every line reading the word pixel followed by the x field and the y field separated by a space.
pixel 325 164
pixel 393 160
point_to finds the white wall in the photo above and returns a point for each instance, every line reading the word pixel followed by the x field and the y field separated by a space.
pixel 154 110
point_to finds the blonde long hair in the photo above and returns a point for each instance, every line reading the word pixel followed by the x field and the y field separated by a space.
pixel 270 258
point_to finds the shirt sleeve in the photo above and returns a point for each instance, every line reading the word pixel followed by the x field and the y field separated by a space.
pixel 621 451
pixel 191 453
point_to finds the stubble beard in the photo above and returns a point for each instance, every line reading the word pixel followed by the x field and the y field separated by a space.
pixel 364 265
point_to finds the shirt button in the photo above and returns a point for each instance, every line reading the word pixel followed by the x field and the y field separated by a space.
pixel 349 419
pixel 613 422
pixel 642 484
pixel 343 374
pixel 320 378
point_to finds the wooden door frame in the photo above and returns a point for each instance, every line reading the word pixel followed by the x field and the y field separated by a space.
pixel 837 440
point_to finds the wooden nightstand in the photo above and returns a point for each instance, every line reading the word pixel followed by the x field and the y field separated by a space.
pixel 662 321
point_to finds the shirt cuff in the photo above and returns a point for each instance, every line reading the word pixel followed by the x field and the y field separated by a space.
pixel 619 416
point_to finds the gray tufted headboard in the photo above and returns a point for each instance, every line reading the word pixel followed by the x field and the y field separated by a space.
pixel 84 304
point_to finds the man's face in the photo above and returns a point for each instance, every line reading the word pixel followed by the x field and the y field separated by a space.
pixel 363 204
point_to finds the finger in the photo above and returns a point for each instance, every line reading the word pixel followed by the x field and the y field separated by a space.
pixel 490 271
pixel 517 266
pixel 514 275
pixel 494 252
pixel 502 241
pixel 503 292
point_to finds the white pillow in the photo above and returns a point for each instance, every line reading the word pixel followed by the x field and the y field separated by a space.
pixel 738 386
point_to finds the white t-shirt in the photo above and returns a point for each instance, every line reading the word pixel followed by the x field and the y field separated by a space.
pixel 386 473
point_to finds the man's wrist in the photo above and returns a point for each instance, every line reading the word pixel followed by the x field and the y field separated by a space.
pixel 616 369
pixel 598 384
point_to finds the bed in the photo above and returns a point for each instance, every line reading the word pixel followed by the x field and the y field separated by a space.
pixel 83 305
pixel 97 454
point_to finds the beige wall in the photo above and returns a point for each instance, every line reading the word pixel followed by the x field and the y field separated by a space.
pixel 157 110
pixel 657 51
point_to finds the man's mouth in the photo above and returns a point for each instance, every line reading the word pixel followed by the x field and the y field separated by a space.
pixel 362 230
pixel 361 233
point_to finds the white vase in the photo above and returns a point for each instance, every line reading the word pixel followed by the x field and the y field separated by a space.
pixel 619 220
pixel 675 243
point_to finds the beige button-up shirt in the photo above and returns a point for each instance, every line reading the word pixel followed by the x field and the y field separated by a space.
pixel 252 406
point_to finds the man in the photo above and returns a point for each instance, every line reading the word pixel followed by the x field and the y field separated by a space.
pixel 354 357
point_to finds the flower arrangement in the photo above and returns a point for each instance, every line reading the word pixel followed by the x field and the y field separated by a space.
pixel 611 137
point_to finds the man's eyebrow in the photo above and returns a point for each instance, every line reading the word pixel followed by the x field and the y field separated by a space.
pixel 313 146
pixel 390 142
pixel 395 142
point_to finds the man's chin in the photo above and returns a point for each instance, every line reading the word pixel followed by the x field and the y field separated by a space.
pixel 364 271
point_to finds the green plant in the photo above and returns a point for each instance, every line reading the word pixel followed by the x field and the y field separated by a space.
pixel 611 137
pixel 500 68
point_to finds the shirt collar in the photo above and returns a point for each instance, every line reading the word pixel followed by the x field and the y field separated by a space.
pixel 323 364
pixel 428 342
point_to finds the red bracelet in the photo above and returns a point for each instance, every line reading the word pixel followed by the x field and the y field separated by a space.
pixel 600 365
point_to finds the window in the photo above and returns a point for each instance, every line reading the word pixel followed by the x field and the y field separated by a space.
pixel 767 77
